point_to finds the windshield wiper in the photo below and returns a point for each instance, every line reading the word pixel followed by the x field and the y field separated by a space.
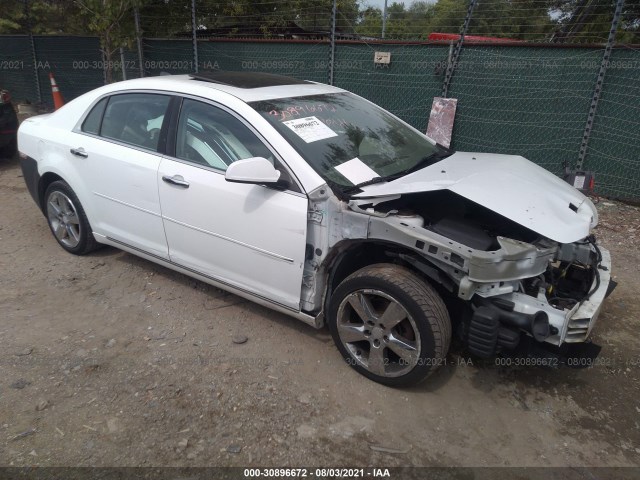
pixel 374 180
pixel 423 162
pixel 430 159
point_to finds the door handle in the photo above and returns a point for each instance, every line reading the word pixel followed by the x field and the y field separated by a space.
pixel 176 180
pixel 79 152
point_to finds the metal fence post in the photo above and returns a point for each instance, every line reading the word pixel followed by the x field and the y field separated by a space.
pixel 35 67
pixel 384 18
pixel 599 84
pixel 136 16
pixel 456 51
pixel 193 33
pixel 332 47
pixel 34 57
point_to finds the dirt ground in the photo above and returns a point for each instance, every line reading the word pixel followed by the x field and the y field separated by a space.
pixel 110 360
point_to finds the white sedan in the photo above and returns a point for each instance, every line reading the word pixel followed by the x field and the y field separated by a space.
pixel 317 203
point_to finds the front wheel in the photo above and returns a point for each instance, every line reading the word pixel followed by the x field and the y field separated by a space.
pixel 390 325
pixel 67 220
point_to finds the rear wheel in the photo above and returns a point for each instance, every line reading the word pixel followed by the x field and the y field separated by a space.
pixel 67 220
pixel 390 325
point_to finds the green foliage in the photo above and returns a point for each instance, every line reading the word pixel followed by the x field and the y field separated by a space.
pixel 517 19
pixel 42 17
pixel 112 20
pixel 448 16
pixel 590 21
pixel 167 19
pixel 370 22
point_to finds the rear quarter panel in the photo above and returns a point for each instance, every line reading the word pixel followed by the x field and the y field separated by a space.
pixel 45 138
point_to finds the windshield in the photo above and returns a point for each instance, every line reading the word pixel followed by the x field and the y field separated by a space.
pixel 348 140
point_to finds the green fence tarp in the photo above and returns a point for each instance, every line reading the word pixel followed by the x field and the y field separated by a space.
pixel 524 100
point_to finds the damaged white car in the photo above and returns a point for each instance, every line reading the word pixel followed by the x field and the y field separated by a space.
pixel 317 203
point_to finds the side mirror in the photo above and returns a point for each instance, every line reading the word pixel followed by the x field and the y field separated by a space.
pixel 252 170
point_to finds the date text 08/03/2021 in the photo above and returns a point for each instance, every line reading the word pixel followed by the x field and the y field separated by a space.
pixel 317 472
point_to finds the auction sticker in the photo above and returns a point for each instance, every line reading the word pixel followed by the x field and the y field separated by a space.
pixel 356 171
pixel 310 129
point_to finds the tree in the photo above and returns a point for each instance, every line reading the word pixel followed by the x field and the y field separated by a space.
pixel 401 22
pixel 590 20
pixel 514 19
pixel 419 19
pixel 369 22
pixel 40 17
pixel 112 21
pixel 165 19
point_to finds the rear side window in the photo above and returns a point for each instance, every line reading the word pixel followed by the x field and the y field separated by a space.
pixel 92 122
pixel 135 118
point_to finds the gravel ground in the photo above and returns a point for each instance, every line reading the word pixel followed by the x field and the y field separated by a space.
pixel 110 360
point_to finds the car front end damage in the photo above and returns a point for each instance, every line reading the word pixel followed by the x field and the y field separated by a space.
pixel 501 236
pixel 511 281
pixel 549 291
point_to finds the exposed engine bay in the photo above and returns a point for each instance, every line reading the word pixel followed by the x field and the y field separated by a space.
pixel 456 218
pixel 513 280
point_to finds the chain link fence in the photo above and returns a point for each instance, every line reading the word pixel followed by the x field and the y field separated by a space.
pixel 524 99
pixel 614 149
pixel 24 67
pixel 406 86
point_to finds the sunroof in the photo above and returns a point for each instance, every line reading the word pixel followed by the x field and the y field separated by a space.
pixel 246 79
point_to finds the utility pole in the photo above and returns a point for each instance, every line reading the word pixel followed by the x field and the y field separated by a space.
pixel 384 18
pixel 456 51
pixel 193 31
pixel 599 83
pixel 332 58
pixel 136 17
pixel 34 57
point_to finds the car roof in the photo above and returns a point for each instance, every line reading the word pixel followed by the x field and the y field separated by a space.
pixel 246 80
pixel 249 87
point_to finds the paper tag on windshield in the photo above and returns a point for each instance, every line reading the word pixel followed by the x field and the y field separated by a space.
pixel 356 171
pixel 310 129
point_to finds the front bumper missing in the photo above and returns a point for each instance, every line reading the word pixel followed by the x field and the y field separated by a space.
pixel 571 325
pixel 582 321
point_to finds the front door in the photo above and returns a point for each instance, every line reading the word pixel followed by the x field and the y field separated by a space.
pixel 249 236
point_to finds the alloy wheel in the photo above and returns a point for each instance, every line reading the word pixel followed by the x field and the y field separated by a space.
pixel 63 218
pixel 378 332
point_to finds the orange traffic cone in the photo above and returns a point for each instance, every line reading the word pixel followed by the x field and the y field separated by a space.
pixel 58 101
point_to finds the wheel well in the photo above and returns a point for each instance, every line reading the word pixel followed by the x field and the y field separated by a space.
pixel 355 257
pixel 361 254
pixel 46 180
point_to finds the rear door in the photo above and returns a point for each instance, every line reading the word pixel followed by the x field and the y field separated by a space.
pixel 118 147
pixel 249 236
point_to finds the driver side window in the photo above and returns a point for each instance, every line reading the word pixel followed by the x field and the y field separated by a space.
pixel 208 135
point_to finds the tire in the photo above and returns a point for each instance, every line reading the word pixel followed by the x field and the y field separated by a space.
pixel 415 340
pixel 67 219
